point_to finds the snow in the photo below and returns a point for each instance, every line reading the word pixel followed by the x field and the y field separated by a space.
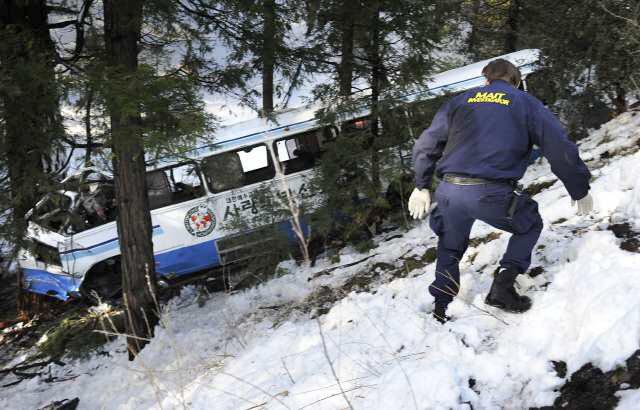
pixel 267 347
pixel 629 400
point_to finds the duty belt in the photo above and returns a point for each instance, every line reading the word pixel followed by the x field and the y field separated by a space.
pixel 465 180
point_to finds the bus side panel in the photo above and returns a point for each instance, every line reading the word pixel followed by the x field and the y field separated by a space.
pixel 188 242
pixel 38 278
pixel 187 259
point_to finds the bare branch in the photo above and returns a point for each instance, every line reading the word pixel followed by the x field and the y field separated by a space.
pixel 333 371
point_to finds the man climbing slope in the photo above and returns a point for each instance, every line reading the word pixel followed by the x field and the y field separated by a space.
pixel 479 145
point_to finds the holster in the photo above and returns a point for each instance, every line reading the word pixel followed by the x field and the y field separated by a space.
pixel 513 204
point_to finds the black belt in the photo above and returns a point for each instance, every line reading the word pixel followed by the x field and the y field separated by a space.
pixel 465 180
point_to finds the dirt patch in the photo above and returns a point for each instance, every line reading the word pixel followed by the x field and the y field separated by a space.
pixel 631 245
pixel 560 368
pixel 319 302
pixel 538 187
pixel 630 238
pixel 410 264
pixel 65 404
pixel 536 271
pixel 590 388
pixel 78 334
pixel 70 334
pixel 324 298
pixel 485 239
pixel 360 283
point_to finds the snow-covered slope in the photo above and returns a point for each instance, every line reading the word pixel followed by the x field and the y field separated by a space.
pixel 361 334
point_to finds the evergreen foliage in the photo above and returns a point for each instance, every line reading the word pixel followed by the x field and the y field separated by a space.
pixel 29 107
pixel 589 54
pixel 391 50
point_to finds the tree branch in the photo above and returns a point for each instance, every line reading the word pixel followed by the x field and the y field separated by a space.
pixel 74 144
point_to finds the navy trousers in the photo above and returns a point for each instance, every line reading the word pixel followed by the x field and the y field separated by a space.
pixel 458 207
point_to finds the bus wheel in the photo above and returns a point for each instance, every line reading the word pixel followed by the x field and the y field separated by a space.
pixel 103 281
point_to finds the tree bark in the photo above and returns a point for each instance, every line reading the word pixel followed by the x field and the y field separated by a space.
pixel 376 82
pixel 472 41
pixel 511 37
pixel 345 69
pixel 123 22
pixel 87 128
pixel 268 54
pixel 620 99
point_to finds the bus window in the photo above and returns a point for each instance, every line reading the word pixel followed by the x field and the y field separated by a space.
pixel 299 152
pixel 173 185
pixel 235 169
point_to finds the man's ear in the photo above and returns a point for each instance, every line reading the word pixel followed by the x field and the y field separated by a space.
pixel 486 82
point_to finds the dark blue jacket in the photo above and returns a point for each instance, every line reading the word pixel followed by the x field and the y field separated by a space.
pixel 488 132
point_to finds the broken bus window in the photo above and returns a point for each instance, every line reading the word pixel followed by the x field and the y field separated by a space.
pixel 173 185
pixel 235 169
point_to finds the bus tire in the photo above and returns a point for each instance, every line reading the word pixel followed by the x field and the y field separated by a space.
pixel 103 281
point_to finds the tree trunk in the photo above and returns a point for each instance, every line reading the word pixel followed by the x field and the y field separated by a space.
pixel 345 69
pixel 376 81
pixel 87 128
pixel 620 99
pixel 511 37
pixel 472 41
pixel 268 54
pixel 123 22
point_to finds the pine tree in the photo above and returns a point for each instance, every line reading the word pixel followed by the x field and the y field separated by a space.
pixel 589 64
pixel 173 115
pixel 29 107
pixel 388 52
pixel 123 23
pixel 255 36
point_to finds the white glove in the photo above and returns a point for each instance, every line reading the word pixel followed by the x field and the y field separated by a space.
pixel 419 203
pixel 585 205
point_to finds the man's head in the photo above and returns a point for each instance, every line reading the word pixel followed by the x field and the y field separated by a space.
pixel 502 69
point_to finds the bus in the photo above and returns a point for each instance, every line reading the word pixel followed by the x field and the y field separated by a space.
pixel 74 241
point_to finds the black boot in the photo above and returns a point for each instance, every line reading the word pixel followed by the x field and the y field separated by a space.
pixel 439 312
pixel 503 295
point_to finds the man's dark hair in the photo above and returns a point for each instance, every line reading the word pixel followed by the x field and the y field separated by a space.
pixel 502 69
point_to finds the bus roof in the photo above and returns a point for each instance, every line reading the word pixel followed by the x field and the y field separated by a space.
pixel 296 120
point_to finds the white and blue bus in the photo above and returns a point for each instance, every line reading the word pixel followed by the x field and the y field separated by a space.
pixel 74 236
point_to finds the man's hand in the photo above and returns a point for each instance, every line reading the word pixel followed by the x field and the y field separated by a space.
pixel 585 205
pixel 419 203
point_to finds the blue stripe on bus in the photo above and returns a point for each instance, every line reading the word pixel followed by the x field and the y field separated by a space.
pixel 176 263
pixel 101 247
pixel 173 263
